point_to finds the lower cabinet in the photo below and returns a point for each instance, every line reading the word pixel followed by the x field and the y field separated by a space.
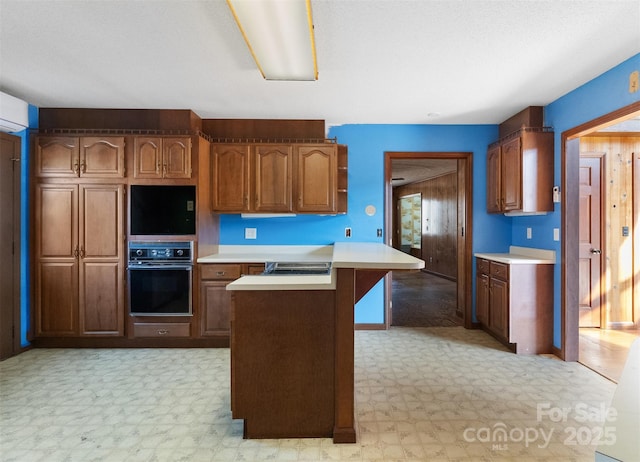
pixel 514 302
pixel 215 300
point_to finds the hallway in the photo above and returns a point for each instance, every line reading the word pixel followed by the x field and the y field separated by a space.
pixel 422 299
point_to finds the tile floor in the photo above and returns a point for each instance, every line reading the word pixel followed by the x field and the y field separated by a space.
pixel 422 394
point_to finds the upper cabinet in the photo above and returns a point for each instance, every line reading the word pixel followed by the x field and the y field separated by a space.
pixel 230 177
pixel 279 178
pixel 317 175
pixel 520 172
pixel 162 157
pixel 86 156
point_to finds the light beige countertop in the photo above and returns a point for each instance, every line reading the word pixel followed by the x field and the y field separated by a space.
pixel 522 255
pixel 265 253
pixel 360 255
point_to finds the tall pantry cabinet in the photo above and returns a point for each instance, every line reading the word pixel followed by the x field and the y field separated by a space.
pixel 78 236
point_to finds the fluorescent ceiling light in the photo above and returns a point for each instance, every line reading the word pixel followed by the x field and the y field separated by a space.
pixel 279 34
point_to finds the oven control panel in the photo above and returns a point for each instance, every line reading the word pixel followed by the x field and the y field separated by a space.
pixel 160 251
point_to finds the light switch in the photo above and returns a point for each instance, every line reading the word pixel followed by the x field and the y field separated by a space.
pixel 556 234
pixel 529 233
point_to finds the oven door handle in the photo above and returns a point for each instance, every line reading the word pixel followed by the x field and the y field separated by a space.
pixel 161 267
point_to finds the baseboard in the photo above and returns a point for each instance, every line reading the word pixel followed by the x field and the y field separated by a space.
pixel 621 325
pixel 377 326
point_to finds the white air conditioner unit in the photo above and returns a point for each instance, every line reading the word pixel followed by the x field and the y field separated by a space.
pixel 14 114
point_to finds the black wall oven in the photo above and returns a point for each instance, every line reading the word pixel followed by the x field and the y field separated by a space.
pixel 160 278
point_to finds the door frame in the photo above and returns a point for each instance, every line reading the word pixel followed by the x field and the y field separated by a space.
pixel 14 310
pixel 465 222
pixel 570 161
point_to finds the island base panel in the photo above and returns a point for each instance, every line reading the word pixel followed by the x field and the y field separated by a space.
pixel 282 363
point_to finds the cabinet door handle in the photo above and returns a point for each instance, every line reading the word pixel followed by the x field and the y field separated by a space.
pixel 75 167
pixel 82 252
pixel 76 253
pixel 83 167
pixel 595 251
pixel 163 332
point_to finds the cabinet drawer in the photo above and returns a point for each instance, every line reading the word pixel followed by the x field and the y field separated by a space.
pixel 482 266
pixel 499 270
pixel 220 272
pixel 160 329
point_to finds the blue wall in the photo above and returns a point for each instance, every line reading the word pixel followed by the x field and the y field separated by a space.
pixel 367 144
pixel 600 96
pixel 25 236
pixel 491 233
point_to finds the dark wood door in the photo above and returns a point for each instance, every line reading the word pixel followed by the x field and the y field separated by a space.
pixel 272 166
pixel 57 156
pixel 147 157
pixel 215 306
pixel 56 253
pixel 493 180
pixel 101 260
pixel 102 157
pixel 230 183
pixel 499 307
pixel 176 157
pixel 316 178
pixel 482 299
pixel 511 175
pixel 10 154
pixel 590 245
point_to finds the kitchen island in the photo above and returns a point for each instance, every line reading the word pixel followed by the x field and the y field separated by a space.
pixel 292 340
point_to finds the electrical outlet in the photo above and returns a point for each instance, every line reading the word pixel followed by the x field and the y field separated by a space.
pixel 379 232
pixel 347 232
pixel 529 233
pixel 251 233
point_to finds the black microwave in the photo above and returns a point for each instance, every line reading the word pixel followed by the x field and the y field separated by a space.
pixel 163 210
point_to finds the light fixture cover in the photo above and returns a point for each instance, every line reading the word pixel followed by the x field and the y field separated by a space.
pixel 280 37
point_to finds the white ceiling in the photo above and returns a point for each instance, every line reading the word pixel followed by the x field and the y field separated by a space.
pixel 384 61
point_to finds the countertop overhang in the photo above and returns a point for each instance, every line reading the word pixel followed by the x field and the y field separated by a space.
pixel 357 255
pixel 522 256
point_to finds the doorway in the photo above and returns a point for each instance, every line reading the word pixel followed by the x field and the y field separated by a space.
pixel 615 316
pixel 9 245
pixel 458 166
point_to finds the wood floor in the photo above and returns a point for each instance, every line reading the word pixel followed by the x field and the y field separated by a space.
pixel 605 350
pixel 422 299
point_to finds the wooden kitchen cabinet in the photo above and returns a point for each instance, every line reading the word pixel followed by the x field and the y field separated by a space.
pixel 230 177
pixel 279 178
pixel 316 179
pixel 162 157
pixel 514 302
pixel 215 300
pixel 74 157
pixel 79 251
pixel 520 172
pixel 272 178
